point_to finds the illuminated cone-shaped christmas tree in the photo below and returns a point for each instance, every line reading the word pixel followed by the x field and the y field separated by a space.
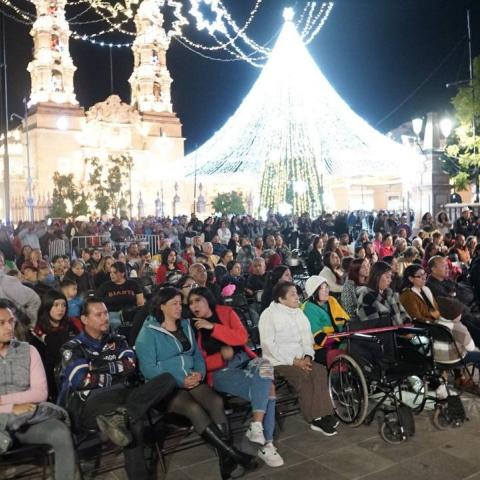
pixel 293 128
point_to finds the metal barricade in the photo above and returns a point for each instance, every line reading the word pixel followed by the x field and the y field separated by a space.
pixel 150 242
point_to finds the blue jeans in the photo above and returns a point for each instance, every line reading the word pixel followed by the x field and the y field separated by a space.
pixel 253 383
pixel 472 357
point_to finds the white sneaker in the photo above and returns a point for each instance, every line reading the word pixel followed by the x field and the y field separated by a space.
pixel 269 454
pixel 255 433
pixel 441 392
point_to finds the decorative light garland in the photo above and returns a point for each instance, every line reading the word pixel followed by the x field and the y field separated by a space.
pixel 236 43
pixel 27 16
pixel 320 24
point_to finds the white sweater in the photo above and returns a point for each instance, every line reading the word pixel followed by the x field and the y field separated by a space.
pixel 285 334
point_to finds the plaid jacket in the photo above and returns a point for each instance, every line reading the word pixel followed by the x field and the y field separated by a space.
pixel 372 305
pixel 445 352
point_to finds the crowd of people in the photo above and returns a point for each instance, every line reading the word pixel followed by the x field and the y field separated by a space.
pixel 96 333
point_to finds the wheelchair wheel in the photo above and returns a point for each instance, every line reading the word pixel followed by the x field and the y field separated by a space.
pixel 391 433
pixel 397 427
pixel 445 416
pixel 348 390
pixel 440 418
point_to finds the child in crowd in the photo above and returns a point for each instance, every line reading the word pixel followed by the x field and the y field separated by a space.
pixel 75 302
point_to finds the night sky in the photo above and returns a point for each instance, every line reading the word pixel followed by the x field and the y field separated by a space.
pixel 374 52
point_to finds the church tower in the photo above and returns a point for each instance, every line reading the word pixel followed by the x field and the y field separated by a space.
pixel 52 68
pixel 150 80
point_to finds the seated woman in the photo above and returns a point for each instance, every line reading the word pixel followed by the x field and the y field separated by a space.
pixel 325 315
pixel 315 256
pixel 396 283
pixel 357 277
pixel 427 223
pixel 23 387
pixel 170 270
pixel 52 330
pixel 377 298
pixel 430 251
pixel 102 274
pixel 279 274
pixel 408 258
pixel 166 344
pixel 185 284
pixel 234 369
pixel 83 279
pixel 370 252
pixel 221 268
pixel 451 311
pixel 332 272
pixel 287 342
pixel 234 277
pixel 416 298
pixel 361 238
pixel 386 248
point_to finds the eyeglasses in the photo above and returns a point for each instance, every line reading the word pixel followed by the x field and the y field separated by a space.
pixel 422 275
pixel 193 285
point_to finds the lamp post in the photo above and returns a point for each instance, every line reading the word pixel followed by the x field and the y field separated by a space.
pixel 6 157
pixel 24 121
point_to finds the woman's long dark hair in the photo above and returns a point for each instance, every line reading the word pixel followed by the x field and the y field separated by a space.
pixel 410 271
pixel 354 270
pixel 207 294
pixel 48 299
pixel 165 255
pixel 163 295
pixel 376 271
pixel 327 263
pixel 272 279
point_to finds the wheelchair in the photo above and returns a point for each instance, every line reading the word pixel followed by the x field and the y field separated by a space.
pixel 371 379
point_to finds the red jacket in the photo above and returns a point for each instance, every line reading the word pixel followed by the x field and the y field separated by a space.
pixel 230 331
pixel 161 276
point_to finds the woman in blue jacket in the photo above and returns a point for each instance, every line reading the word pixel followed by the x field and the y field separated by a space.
pixel 166 344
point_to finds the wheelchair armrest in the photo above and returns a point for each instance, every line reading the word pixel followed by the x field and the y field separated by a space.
pixel 417 330
pixel 362 337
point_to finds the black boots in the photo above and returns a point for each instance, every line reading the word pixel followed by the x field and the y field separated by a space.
pixel 228 467
pixel 233 463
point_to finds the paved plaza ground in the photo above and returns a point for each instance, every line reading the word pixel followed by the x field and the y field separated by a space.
pixel 355 453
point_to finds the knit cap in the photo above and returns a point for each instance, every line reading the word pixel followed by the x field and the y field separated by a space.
pixel 450 308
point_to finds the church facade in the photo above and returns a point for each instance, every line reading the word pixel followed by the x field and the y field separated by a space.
pixel 61 134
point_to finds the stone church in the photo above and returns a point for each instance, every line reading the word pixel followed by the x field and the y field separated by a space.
pixel 61 134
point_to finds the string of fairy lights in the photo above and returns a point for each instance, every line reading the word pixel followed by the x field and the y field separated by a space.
pixel 212 32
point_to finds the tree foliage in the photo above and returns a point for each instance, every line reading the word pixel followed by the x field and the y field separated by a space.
pixel 230 203
pixel 68 199
pixel 462 154
pixel 108 180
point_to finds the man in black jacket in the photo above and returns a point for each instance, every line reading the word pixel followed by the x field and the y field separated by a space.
pixel 440 286
pixel 99 386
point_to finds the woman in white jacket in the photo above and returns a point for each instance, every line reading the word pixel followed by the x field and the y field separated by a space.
pixel 287 342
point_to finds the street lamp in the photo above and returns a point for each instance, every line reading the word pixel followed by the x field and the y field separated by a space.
pixel 446 126
pixel 24 120
pixel 417 125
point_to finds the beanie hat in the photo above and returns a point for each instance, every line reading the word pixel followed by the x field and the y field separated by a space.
pixel 313 283
pixel 450 308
